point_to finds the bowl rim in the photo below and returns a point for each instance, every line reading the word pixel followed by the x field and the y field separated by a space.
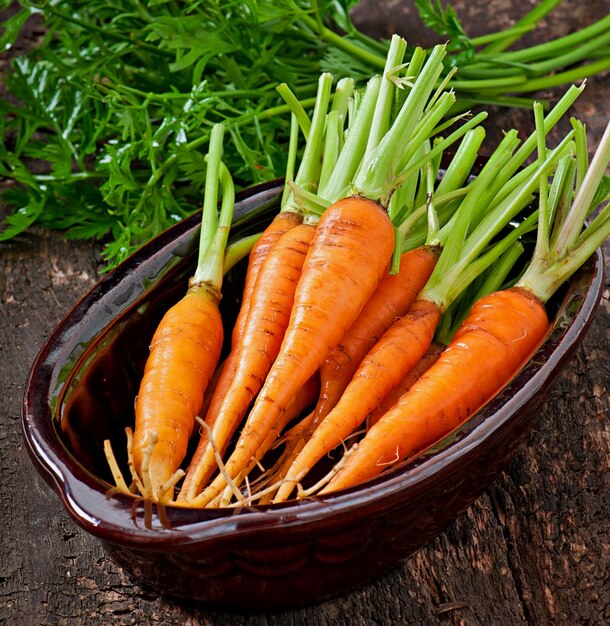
pixel 84 495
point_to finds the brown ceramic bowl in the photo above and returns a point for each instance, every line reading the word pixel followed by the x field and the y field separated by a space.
pixel 81 391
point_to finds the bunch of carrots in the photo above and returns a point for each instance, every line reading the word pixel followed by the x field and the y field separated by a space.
pixel 375 287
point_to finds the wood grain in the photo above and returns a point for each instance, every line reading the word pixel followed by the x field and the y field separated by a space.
pixel 534 548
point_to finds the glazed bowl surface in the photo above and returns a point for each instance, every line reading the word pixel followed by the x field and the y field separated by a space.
pixel 81 389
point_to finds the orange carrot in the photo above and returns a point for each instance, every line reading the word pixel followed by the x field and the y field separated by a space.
pixel 184 350
pixel 183 354
pixel 273 292
pixel 497 337
pixel 399 350
pixel 350 252
pixel 270 305
pixel 281 223
pixel 304 398
pixel 411 377
pixel 390 301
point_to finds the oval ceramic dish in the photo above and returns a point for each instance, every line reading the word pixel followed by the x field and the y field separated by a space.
pixel 81 390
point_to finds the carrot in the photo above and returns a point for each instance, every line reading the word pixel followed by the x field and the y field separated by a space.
pixel 425 363
pixel 497 337
pixel 350 251
pixel 502 330
pixel 184 350
pixel 304 398
pixel 257 343
pixel 404 344
pixel 390 301
pixel 269 312
pixel 183 356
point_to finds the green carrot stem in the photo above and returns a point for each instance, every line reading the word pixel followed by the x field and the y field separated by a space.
pixel 461 164
pixel 407 225
pixel 462 274
pixel 465 103
pixel 509 36
pixel 439 147
pixel 497 218
pixel 582 151
pixel 296 107
pixel 441 88
pixel 433 221
pixel 490 84
pixel 542 240
pixel 480 194
pixel 385 99
pixel 569 231
pixel 311 204
pixel 395 262
pixel 493 279
pixel 550 121
pixel 572 246
pixel 332 146
pixel 403 199
pixel 449 122
pixel 308 173
pixel 423 130
pixel 354 146
pixel 293 144
pixel 210 268
pixel 343 92
pixel 239 250
pixel 555 46
pixel 571 57
pixel 561 192
pixel 385 161
pixel 368 57
pixel 561 78
pixel 458 255
pixel 209 218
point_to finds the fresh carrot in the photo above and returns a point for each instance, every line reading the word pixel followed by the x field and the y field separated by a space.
pixel 499 335
pixel 183 355
pixel 305 397
pixel 268 317
pixel 184 350
pixel 390 301
pixel 350 252
pixel 269 305
pixel 424 364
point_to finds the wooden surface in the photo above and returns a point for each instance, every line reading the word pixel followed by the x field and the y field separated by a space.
pixel 535 548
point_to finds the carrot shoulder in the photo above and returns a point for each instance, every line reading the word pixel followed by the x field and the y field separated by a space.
pixel 350 252
pixel 497 337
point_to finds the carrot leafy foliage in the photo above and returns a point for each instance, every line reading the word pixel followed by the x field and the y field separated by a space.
pixel 106 120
